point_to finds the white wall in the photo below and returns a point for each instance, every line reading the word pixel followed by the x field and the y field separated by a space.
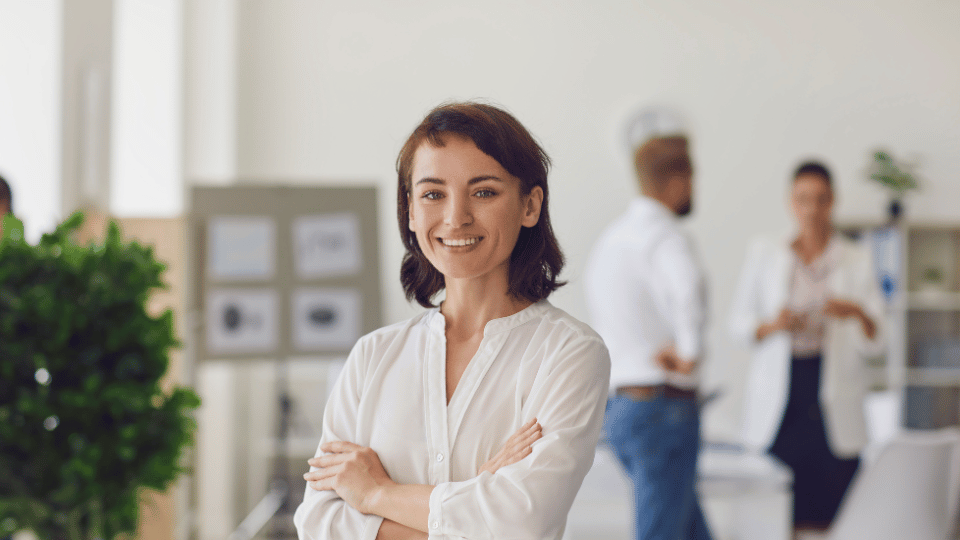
pixel 86 104
pixel 210 91
pixel 30 110
pixel 147 131
pixel 328 91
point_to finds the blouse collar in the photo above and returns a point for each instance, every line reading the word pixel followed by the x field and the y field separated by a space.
pixel 437 322
pixel 827 260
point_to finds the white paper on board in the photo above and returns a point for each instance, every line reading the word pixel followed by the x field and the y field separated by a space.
pixel 327 245
pixel 326 319
pixel 241 247
pixel 241 321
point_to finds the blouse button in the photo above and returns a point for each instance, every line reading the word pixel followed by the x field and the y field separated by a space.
pixel 435 525
pixel 439 458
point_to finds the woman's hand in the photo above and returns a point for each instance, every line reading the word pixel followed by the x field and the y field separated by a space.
pixel 845 309
pixel 842 309
pixel 787 321
pixel 517 447
pixel 353 471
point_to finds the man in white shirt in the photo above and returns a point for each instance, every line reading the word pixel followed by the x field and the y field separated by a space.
pixel 647 299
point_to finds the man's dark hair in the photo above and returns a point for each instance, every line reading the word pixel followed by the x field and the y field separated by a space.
pixel 815 168
pixel 6 196
pixel 536 260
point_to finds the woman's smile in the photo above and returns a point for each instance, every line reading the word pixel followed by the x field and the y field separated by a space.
pixel 460 242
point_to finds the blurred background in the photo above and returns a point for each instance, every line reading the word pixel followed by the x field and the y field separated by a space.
pixel 124 107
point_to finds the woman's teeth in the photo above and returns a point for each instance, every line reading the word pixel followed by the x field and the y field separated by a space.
pixel 459 242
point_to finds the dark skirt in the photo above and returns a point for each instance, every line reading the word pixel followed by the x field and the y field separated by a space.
pixel 820 478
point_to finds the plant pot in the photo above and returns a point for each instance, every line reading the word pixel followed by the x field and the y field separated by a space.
pixel 895 210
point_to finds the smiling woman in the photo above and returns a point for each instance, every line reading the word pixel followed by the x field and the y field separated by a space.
pixel 504 152
pixel 408 445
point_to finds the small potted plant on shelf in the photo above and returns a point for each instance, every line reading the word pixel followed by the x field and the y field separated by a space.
pixel 895 176
pixel 932 280
pixel 86 424
pixel 931 286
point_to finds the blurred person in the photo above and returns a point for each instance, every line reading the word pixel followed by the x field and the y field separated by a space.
pixel 6 200
pixel 479 417
pixel 646 293
pixel 810 308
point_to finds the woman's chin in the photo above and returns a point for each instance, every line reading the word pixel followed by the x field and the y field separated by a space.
pixel 480 274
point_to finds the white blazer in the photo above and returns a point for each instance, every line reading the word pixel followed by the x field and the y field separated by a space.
pixel 761 294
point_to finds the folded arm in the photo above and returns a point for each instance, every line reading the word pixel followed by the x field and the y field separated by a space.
pixel 356 474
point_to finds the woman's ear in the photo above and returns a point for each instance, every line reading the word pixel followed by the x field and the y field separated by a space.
pixel 531 207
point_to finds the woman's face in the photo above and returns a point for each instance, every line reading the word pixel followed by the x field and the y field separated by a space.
pixel 812 201
pixel 466 209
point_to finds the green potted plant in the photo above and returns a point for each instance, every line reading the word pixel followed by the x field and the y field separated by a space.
pixel 932 278
pixel 85 425
pixel 895 176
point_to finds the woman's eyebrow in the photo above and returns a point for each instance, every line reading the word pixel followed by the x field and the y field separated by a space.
pixel 441 182
pixel 430 180
pixel 481 178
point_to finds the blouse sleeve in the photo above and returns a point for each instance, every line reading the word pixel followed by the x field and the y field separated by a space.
pixel 323 514
pixel 745 314
pixel 531 498
pixel 872 303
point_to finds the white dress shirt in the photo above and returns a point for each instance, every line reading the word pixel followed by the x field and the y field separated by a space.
pixel 391 396
pixel 646 290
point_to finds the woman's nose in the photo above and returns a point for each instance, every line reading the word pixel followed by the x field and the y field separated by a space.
pixel 458 212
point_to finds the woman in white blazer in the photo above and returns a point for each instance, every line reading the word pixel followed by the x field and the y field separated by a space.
pixel 810 308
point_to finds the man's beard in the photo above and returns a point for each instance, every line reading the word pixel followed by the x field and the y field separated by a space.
pixel 685 208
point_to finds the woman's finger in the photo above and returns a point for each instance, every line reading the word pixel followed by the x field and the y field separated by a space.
pixel 522 433
pixel 327 460
pixel 339 447
pixel 510 460
pixel 525 428
pixel 320 474
pixel 533 436
pixel 528 445
pixel 521 448
pixel 526 439
pixel 321 486
pixel 516 448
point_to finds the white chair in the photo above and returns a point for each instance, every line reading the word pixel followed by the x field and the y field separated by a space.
pixel 909 491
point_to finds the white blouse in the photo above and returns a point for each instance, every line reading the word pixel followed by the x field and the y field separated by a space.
pixel 391 397
pixel 808 295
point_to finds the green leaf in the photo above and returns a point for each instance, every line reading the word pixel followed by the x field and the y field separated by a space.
pixel 12 229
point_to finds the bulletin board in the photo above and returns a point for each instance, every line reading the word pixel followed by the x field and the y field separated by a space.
pixel 283 271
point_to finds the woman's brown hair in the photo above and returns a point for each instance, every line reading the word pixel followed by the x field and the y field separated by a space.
pixel 536 259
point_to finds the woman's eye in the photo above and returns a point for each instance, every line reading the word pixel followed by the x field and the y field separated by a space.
pixel 485 193
pixel 431 195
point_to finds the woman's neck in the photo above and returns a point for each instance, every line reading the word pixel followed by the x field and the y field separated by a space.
pixel 812 242
pixel 471 303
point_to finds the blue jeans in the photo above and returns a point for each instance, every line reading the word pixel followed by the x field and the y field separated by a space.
pixel 657 442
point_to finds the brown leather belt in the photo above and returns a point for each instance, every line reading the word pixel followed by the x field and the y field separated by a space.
pixel 651 392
